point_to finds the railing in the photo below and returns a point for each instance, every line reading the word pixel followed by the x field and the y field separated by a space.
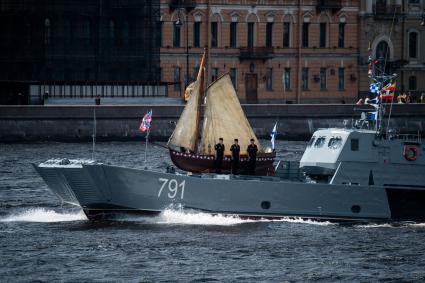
pixel 256 52
pixel 188 5
pixel 383 10
pixel 333 5
pixel 90 90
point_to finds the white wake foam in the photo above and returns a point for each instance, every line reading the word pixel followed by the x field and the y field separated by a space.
pixel 192 217
pixel 170 216
pixel 44 215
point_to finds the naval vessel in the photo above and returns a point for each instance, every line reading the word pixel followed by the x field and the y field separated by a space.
pixel 364 171
pixel 344 174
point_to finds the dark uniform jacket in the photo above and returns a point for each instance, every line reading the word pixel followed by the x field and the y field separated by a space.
pixel 219 148
pixel 235 149
pixel 252 151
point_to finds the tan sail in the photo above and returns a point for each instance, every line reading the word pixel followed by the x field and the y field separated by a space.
pixel 186 132
pixel 225 118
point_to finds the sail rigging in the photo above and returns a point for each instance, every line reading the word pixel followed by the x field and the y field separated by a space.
pixel 224 118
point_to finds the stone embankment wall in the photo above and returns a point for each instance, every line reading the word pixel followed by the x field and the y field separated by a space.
pixel 75 123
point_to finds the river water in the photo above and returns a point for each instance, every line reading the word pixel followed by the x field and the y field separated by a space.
pixel 44 242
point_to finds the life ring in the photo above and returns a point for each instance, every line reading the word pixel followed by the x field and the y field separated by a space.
pixel 410 152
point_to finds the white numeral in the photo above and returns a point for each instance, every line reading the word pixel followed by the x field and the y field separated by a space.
pixel 164 181
pixel 173 187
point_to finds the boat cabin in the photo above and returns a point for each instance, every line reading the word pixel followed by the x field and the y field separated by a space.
pixel 360 155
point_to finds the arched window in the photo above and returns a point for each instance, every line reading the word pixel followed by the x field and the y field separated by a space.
pixel 382 50
pixel 287 31
pixel 413 44
pixel 215 30
pixel 47 32
pixel 251 30
pixel 323 35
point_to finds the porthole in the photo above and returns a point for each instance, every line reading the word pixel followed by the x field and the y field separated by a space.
pixel 265 205
pixel 355 208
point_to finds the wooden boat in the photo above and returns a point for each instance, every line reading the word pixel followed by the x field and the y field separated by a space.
pixel 223 117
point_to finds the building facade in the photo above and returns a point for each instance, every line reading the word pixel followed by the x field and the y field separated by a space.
pixel 394 30
pixel 77 42
pixel 275 51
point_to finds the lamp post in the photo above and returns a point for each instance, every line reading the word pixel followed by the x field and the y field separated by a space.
pixel 179 23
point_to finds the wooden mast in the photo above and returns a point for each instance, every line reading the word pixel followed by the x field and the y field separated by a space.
pixel 201 75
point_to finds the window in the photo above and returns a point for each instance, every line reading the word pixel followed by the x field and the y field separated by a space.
pixel 341 79
pixel 177 82
pixel 354 144
pixel 305 35
pixel 214 74
pixel 269 35
pixel 176 35
pixel 310 143
pixel 413 45
pixel 335 142
pixel 214 34
pixel 304 78
pixel 196 34
pixel 412 83
pixel 233 76
pixel 269 79
pixel 341 35
pixel 322 42
pixel 286 34
pixel 382 50
pixel 413 1
pixel 250 38
pixel 233 34
pixel 287 79
pixel 323 79
pixel 320 142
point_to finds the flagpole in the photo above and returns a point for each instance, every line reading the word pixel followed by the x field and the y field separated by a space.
pixel 146 145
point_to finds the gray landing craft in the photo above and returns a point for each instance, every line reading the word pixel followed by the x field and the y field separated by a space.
pixel 344 174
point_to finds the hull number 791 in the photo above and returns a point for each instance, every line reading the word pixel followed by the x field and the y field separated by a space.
pixel 173 187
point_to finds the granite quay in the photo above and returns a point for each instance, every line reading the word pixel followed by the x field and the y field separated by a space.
pixel 76 123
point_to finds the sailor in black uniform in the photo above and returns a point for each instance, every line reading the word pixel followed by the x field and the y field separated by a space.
pixel 219 154
pixel 252 153
pixel 235 149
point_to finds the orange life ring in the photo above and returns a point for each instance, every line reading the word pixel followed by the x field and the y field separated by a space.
pixel 410 152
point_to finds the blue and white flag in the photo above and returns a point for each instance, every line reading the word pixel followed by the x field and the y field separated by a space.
pixel 273 135
pixel 373 116
pixel 374 88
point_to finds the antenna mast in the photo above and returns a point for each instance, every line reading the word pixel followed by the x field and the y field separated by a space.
pixel 94 133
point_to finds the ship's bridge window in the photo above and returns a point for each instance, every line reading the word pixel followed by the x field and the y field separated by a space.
pixel 320 142
pixel 335 142
pixel 310 143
